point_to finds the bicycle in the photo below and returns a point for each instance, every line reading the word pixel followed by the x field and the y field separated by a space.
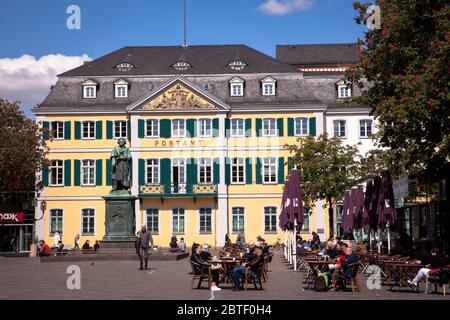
pixel 278 246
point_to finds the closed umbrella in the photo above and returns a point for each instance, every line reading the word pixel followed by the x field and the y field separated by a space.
pixel 352 202
pixel 345 210
pixel 387 214
pixel 359 207
pixel 365 218
pixel 374 203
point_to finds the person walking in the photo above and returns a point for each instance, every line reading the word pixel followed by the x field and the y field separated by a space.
pixel 56 239
pixel 76 245
pixel 145 240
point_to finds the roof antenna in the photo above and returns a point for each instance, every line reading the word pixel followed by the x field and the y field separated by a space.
pixel 184 11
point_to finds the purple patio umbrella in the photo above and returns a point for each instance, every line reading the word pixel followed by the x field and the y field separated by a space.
pixel 373 218
pixel 351 215
pixel 345 210
pixel 358 207
pixel 292 204
pixel 386 203
pixel 365 217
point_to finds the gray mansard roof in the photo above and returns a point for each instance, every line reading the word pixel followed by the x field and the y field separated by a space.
pixel 311 54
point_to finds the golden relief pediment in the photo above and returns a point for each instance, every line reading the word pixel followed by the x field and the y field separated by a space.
pixel 178 97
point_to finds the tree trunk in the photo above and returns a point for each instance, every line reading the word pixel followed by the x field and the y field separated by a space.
pixel 330 217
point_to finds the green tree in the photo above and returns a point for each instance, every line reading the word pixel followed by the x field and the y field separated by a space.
pixel 327 169
pixel 405 63
pixel 22 150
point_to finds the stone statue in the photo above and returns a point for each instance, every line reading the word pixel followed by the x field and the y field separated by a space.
pixel 121 163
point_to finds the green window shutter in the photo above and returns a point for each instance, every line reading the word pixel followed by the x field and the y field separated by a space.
pixel 191 127
pixel 227 171
pixel 108 178
pixel 248 127
pixel 129 129
pixel 248 171
pixel 258 127
pixel 312 126
pixel 191 174
pixel 77 130
pixel 290 164
pixel 98 172
pixel 142 172
pixel 45 176
pixel 98 130
pixel 216 171
pixel 109 129
pixel 67 173
pixel 258 171
pixel 67 130
pixel 141 128
pixel 164 128
pixel 280 170
pixel 215 126
pixel 76 172
pixel 280 126
pixel 227 127
pixel 165 174
pixel 46 129
pixel 290 127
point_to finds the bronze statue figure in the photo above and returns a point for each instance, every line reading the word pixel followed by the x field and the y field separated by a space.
pixel 121 163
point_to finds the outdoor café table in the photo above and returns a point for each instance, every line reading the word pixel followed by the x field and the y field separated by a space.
pixel 227 263
pixel 400 272
pixel 314 267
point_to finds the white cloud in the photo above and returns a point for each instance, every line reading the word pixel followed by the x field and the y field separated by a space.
pixel 283 7
pixel 28 79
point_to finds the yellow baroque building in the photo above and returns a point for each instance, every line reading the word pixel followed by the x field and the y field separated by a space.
pixel 207 128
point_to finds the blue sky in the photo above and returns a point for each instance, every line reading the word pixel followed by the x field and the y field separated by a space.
pixel 38 29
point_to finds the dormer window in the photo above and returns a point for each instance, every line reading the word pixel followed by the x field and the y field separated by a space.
pixel 124 67
pixel 237 87
pixel 268 86
pixel 237 65
pixel 181 66
pixel 89 89
pixel 344 90
pixel 121 89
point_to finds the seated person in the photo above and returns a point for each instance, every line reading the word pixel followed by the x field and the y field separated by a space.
pixel 433 264
pixel 96 245
pixel 196 258
pixel 60 246
pixel 331 250
pixel 305 245
pixel 44 249
pixel 255 260
pixel 173 244
pixel 205 254
pixel 264 246
pixel 345 268
pixel 182 246
pixel 86 245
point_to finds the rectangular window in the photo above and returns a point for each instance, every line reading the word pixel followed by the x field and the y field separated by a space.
pixel 120 129
pixel 305 227
pixel 204 128
pixel 205 170
pixel 269 127
pixel 88 172
pixel 301 127
pixel 344 91
pixel 270 219
pixel 89 92
pixel 178 221
pixel 365 128
pixel 56 221
pixel 178 128
pixel 153 220
pixel 339 128
pixel 237 127
pixel 121 91
pixel 237 170
pixel 57 129
pixel 237 89
pixel 268 89
pixel 178 171
pixel 88 129
pixel 88 220
pixel 238 219
pixel 152 128
pixel 152 171
pixel 269 170
pixel 57 173
pixel 205 220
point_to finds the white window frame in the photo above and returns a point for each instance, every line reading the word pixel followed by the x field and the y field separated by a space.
pixel 82 167
pixel 200 219
pixel 232 216
pixel 276 220
pixel 296 133
pixel 270 133
pixel 118 91
pixel 83 123
pixel 345 128
pixel 178 134
pixel 204 121
pixel 178 215
pixel 349 91
pixel 87 93
pixel 237 165
pixel 50 222
pixel 270 171
pixel 365 128
pixel 126 129
pixel 62 173
pixel 237 132
pixel 269 82
pixel 146 128
pixel 183 165
pixel 159 220
pixel 200 164
pixel 156 177
pixel 238 83
pixel 59 129
pixel 88 234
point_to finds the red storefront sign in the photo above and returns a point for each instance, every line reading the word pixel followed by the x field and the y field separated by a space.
pixel 11 217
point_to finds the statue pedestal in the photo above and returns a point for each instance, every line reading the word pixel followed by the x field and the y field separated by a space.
pixel 119 222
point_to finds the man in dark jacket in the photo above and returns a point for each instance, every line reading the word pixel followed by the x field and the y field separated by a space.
pixel 144 241
pixel 254 258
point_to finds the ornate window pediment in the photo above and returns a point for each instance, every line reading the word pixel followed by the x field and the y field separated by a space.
pixel 125 66
pixel 237 65
pixel 181 66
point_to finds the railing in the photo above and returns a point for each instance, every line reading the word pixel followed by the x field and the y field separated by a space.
pixel 178 188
